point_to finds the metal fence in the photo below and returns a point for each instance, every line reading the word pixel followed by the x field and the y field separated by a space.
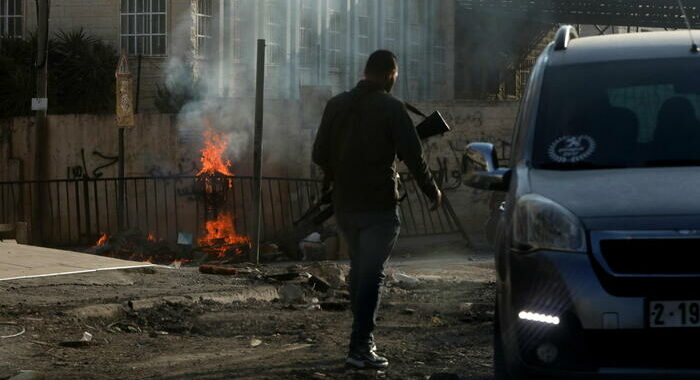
pixel 77 211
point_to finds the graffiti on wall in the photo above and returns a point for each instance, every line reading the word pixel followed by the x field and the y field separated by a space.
pixel 445 155
pixel 81 171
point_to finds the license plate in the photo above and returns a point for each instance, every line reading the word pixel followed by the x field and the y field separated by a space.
pixel 674 314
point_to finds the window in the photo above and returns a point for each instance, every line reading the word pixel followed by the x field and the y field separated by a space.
pixel 439 52
pixel 274 31
pixel 242 18
pixel 363 31
pixel 11 18
pixel 618 115
pixel 143 27
pixel 203 25
pixel 392 24
pixel 416 24
pixel 336 33
pixel 307 34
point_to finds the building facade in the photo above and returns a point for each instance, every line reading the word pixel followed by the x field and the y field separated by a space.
pixel 309 42
pixel 327 42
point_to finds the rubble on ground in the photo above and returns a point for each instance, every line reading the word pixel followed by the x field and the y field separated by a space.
pixel 404 281
pixel 30 375
pixel 6 371
pixel 291 294
pixel 476 312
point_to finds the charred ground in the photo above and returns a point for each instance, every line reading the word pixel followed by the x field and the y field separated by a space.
pixel 180 324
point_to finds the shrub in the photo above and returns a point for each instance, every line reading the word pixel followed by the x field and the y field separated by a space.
pixel 81 74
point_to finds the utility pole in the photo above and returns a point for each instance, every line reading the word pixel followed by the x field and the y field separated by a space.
pixel 257 152
pixel 40 105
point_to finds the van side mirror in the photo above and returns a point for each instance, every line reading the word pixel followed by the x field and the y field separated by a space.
pixel 480 166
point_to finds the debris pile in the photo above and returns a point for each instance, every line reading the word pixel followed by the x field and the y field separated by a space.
pixel 136 246
pixel 321 285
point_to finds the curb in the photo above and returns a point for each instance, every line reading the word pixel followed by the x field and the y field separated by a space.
pixel 115 311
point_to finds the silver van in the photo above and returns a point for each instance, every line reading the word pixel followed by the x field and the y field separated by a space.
pixel 598 237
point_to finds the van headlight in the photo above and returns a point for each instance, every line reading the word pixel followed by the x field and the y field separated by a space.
pixel 540 223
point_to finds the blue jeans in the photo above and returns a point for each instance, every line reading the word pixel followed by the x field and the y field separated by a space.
pixel 371 237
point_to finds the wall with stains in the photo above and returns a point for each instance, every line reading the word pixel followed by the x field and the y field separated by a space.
pixel 470 122
pixel 159 146
pixel 87 145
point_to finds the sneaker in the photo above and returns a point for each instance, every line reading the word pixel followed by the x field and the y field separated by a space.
pixel 367 360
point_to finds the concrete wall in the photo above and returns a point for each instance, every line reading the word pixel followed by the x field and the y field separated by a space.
pixel 163 145
pixel 470 122
pixel 159 145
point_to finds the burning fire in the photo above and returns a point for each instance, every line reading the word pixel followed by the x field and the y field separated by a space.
pixel 151 238
pixel 212 155
pixel 101 241
pixel 221 235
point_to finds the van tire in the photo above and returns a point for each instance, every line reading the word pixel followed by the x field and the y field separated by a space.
pixel 502 368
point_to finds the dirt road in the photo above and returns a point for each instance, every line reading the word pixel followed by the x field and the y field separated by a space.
pixel 181 324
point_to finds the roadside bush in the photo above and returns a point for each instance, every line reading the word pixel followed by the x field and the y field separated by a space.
pixel 17 75
pixel 82 69
pixel 81 74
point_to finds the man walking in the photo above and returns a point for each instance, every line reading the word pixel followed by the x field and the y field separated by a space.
pixel 362 133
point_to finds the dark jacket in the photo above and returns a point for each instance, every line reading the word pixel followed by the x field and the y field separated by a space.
pixel 361 134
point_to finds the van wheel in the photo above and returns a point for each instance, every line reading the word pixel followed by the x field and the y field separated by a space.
pixel 499 364
pixel 502 368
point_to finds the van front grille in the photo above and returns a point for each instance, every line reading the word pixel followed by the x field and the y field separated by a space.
pixel 652 256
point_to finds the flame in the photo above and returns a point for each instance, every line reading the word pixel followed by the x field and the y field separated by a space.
pixel 151 238
pixel 221 234
pixel 101 241
pixel 212 155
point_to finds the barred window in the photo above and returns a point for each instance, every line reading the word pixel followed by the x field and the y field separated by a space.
pixel 11 18
pixel 144 27
pixel 240 24
pixel 416 53
pixel 336 33
pixel 363 29
pixel 439 52
pixel 203 26
pixel 392 24
pixel 416 25
pixel 307 34
pixel 274 31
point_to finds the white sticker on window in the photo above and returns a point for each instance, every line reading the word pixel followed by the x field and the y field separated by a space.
pixel 571 149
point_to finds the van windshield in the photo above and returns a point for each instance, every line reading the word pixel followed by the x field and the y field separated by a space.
pixel 619 115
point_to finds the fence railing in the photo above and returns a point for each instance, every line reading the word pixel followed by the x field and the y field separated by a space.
pixel 77 211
